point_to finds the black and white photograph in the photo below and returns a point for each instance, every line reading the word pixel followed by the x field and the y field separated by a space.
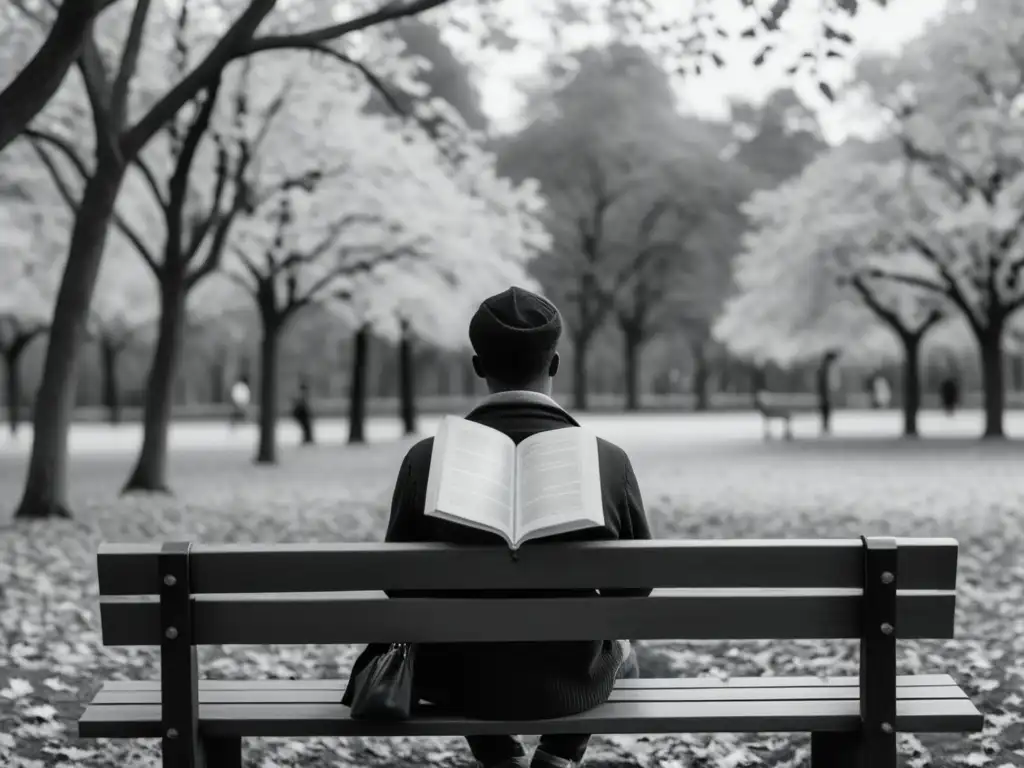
pixel 512 383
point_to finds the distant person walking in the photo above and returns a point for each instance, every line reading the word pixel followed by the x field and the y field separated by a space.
pixel 881 392
pixel 240 396
pixel 949 394
pixel 303 414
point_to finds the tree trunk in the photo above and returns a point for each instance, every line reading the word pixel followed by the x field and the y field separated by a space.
pixel 150 472
pixel 46 483
pixel 266 453
pixel 581 345
pixel 12 363
pixel 110 351
pixel 40 78
pixel 825 391
pixel 357 390
pixel 726 382
pixel 758 381
pixel 469 376
pixel 407 381
pixel 217 382
pixel 632 346
pixel 1017 372
pixel 911 382
pixel 992 382
pixel 443 361
pixel 701 375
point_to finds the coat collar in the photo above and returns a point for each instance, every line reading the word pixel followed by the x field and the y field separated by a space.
pixel 524 397
pixel 519 396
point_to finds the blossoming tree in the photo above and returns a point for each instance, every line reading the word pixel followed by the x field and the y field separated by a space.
pixel 390 200
pixel 955 102
pixel 124 118
pixel 806 280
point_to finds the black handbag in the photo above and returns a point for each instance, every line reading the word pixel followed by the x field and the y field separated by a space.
pixel 383 689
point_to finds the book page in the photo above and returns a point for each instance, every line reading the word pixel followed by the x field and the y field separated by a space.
pixel 471 475
pixel 559 481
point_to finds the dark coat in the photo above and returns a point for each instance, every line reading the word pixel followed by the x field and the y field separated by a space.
pixel 515 680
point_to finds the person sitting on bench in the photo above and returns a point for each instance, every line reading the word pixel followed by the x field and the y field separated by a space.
pixel 514 335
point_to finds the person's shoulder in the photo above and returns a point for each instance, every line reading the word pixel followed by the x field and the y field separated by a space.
pixel 420 452
pixel 609 451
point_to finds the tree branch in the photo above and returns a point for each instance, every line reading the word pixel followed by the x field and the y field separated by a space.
pixel 375 82
pixel 129 60
pixel 199 78
pixel 380 87
pixel 178 186
pixel 950 287
pixel 224 222
pixel 890 317
pixel 240 282
pixel 65 147
pixel 63 189
pixel 33 87
pixel 37 18
pixel 202 228
pixel 941 166
pixel 345 270
pixel 934 317
pixel 328 241
pixel 97 90
pixel 876 273
pixel 254 271
pixel 389 12
pixel 151 181
pixel 1012 236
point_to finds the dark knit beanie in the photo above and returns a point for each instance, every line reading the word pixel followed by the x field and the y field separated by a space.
pixel 515 333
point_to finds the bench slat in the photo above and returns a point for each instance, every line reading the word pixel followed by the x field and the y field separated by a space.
pixel 128 569
pixel 331 719
pixel 937 680
pixel 327 696
pixel 669 615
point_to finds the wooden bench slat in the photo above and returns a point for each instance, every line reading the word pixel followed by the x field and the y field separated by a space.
pixel 327 696
pixel 296 720
pixel 334 684
pixel 694 615
pixel 128 569
pixel 777 682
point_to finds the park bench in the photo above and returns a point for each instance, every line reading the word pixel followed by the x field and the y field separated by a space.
pixel 774 406
pixel 178 596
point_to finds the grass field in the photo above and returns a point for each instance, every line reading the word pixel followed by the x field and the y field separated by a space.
pixel 51 658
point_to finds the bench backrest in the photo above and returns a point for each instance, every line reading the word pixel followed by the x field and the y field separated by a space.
pixel 719 589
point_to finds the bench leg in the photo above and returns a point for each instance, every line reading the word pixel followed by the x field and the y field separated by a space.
pixel 851 750
pixel 837 750
pixel 222 752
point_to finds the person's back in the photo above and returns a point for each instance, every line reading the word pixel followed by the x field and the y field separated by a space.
pixel 303 414
pixel 240 396
pixel 514 335
pixel 882 392
pixel 949 394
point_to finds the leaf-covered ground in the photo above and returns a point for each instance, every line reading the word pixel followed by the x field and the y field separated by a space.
pixel 51 659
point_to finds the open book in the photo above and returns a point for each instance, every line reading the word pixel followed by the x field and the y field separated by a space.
pixel 549 484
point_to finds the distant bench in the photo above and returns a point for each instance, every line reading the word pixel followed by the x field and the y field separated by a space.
pixel 776 406
pixel 179 596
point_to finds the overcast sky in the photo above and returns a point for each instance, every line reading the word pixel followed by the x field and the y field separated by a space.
pixel 875 29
